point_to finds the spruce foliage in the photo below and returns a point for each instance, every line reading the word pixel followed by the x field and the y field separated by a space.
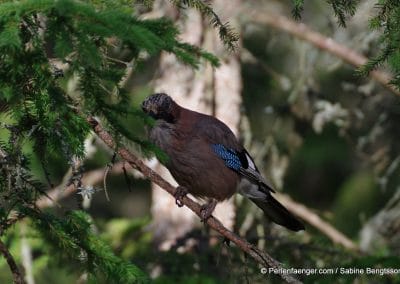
pixel 342 9
pixel 226 33
pixel 387 19
pixel 36 37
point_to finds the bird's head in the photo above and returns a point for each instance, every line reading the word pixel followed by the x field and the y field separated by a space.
pixel 160 106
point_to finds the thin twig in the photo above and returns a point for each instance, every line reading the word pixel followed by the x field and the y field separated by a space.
pixel 261 257
pixel 12 218
pixel 320 41
pixel 107 170
pixel 16 273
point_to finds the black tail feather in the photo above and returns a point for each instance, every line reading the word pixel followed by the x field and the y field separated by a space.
pixel 278 213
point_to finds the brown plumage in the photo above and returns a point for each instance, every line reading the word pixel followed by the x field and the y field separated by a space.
pixel 206 159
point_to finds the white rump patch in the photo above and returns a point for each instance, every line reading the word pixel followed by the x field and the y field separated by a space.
pixel 250 162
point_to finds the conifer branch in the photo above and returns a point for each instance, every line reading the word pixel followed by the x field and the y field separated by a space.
pixel 322 42
pixel 16 273
pixel 341 8
pixel 261 257
pixel 89 178
pixel 227 35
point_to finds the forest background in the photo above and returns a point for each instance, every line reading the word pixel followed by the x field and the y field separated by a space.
pixel 311 88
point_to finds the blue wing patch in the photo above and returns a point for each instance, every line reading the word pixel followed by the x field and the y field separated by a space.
pixel 229 156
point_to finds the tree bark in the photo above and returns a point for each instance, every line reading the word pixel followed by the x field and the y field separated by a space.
pixel 207 90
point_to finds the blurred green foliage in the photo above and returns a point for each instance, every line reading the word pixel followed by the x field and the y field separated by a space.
pixel 43 119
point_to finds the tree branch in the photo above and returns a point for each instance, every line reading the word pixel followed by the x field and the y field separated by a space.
pixel 61 191
pixel 261 257
pixel 17 275
pixel 95 176
pixel 350 56
pixel 26 255
pixel 313 219
pixel 320 41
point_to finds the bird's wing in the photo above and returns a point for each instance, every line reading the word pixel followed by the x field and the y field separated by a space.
pixel 226 146
pixel 242 163
pixel 214 131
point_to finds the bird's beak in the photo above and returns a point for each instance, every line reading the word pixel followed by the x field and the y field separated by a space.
pixel 143 106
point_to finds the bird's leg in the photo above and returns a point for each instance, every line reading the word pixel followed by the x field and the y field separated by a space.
pixel 226 241
pixel 179 195
pixel 207 209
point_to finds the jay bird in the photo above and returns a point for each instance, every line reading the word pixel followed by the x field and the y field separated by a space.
pixel 207 161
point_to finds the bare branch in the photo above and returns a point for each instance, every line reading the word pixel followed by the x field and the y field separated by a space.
pixel 26 255
pixel 16 273
pixel 313 219
pixel 62 191
pixel 261 257
pixel 89 178
pixel 320 41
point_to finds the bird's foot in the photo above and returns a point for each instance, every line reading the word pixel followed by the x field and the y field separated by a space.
pixel 180 193
pixel 207 210
pixel 226 241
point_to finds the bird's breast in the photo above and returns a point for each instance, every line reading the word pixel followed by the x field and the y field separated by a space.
pixel 194 164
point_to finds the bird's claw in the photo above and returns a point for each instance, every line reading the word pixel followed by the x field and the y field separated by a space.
pixel 180 193
pixel 226 241
pixel 207 210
